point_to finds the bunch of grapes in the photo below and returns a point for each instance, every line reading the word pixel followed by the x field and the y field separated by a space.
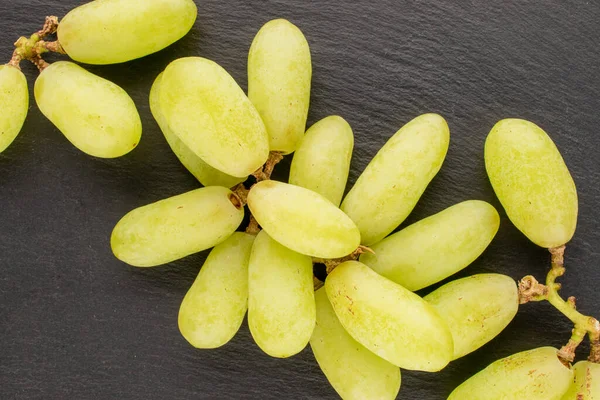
pixel 364 322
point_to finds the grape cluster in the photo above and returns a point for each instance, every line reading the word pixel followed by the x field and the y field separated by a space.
pixel 364 323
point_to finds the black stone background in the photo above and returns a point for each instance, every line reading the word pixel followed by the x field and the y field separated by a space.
pixel 75 323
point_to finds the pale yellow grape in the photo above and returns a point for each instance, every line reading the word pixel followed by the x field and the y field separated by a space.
pixel 322 161
pixel 390 186
pixel 213 309
pixel 476 309
pixel 210 113
pixel 206 175
pixel 436 247
pixel 586 385
pixel 176 227
pixel 303 220
pixel 279 74
pixel 389 320
pixel 97 116
pixel 354 372
pixel 281 303
pixel 14 103
pixel 532 182
pixel 114 31
pixel 532 375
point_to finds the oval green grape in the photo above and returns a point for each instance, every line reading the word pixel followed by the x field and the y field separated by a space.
pixel 476 309
pixel 354 372
pixel 303 220
pixel 115 31
pixel 281 302
pixel 322 162
pixel 533 375
pixel 176 227
pixel 206 175
pixel 586 385
pixel 387 319
pixel 95 115
pixel 210 113
pixel 213 309
pixel 389 188
pixel 532 182
pixel 14 103
pixel 279 75
pixel 436 247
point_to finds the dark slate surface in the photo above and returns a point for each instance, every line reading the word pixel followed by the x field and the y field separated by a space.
pixel 75 323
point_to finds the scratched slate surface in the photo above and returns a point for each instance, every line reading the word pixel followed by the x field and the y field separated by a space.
pixel 75 323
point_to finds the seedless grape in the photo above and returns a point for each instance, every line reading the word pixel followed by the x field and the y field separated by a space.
pixel 353 371
pixel 281 304
pixel 213 309
pixel 390 186
pixel 14 103
pixel 387 319
pixel 97 116
pixel 114 31
pixel 279 74
pixel 436 247
pixel 303 220
pixel 176 227
pixel 322 161
pixel 532 182
pixel 205 174
pixel 587 382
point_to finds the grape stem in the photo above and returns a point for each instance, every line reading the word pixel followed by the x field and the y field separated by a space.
pixel 264 173
pixel 253 227
pixel 531 290
pixel 33 47
pixel 331 264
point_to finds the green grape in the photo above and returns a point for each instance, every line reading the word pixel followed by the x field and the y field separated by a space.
pixel 115 31
pixel 322 161
pixel 436 247
pixel 176 227
pixel 279 74
pixel 586 385
pixel 97 116
pixel 390 186
pixel 303 220
pixel 354 372
pixel 476 309
pixel 532 182
pixel 281 302
pixel 14 103
pixel 533 375
pixel 210 113
pixel 387 319
pixel 206 175
pixel 213 309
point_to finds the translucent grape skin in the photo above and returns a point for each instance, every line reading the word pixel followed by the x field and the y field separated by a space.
pixel 533 375
pixel 176 227
pixel 354 372
pixel 115 31
pixel 279 75
pixel 95 115
pixel 210 113
pixel 302 220
pixel 281 303
pixel 586 384
pixel 206 175
pixel 14 103
pixel 390 186
pixel 387 319
pixel 436 247
pixel 532 182
pixel 476 309
pixel 322 162
pixel 213 309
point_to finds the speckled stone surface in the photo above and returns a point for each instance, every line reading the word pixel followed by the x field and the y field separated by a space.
pixel 75 323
